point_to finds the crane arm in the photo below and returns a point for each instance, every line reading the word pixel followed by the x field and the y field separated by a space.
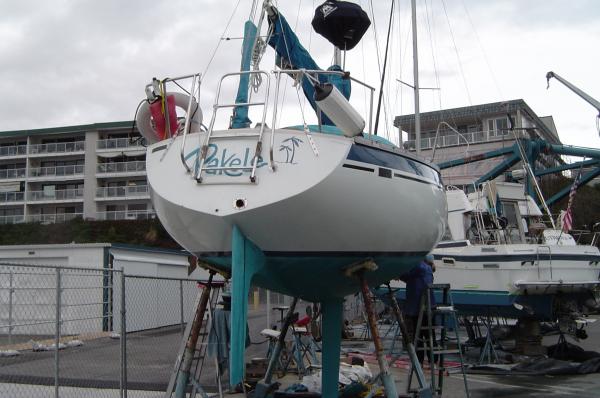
pixel 575 89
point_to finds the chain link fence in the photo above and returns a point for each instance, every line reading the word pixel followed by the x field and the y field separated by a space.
pixel 81 332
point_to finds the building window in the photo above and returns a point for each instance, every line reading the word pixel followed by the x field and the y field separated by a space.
pixel 498 127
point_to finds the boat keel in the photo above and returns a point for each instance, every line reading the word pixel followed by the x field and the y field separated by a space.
pixel 246 260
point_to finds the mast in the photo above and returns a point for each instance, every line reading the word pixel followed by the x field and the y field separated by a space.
pixel 416 79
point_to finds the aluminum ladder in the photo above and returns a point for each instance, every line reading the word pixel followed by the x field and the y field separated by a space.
pixel 192 351
pixel 444 312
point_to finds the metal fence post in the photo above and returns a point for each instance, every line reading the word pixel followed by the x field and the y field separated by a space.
pixel 57 332
pixel 11 291
pixel 181 306
pixel 268 308
pixel 123 338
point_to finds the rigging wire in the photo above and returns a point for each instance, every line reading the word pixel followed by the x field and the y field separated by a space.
pixel 381 71
pixel 212 57
pixel 485 57
pixel 364 70
pixel 374 26
pixel 285 87
pixel 462 73
pixel 433 46
pixel 287 50
pixel 387 98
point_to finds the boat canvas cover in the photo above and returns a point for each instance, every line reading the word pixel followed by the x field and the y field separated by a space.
pixel 341 22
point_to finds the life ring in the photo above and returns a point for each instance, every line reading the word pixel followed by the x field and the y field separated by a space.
pixel 147 127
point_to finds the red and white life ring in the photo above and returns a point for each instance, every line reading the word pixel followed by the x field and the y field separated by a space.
pixel 147 126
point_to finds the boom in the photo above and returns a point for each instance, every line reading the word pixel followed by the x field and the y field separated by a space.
pixel 575 89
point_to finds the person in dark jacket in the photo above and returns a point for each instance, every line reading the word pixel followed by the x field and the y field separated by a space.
pixel 417 280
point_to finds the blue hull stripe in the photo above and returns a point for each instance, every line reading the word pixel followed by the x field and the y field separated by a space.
pixel 520 257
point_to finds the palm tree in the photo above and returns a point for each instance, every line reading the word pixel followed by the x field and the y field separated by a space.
pixel 287 150
pixel 295 142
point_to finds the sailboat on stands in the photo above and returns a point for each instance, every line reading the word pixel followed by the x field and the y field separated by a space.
pixel 287 208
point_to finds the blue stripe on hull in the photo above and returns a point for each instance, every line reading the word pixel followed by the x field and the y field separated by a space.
pixel 318 277
pixel 520 257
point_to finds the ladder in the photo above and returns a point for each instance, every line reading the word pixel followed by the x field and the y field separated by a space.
pixel 192 352
pixel 201 166
pixel 436 351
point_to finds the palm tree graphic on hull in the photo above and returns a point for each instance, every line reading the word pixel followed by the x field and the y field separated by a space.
pixel 290 148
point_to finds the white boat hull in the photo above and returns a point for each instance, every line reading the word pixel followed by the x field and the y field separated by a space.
pixel 326 206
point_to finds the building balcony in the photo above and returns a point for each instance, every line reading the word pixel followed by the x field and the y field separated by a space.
pixel 128 192
pixel 57 171
pixel 137 167
pixel 59 148
pixel 126 215
pixel 56 195
pixel 16 219
pixel 53 218
pixel 14 150
pixel 11 174
pixel 121 144
pixel 9 197
pixel 453 139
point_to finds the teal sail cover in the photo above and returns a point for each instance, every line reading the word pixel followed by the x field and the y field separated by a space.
pixel 240 113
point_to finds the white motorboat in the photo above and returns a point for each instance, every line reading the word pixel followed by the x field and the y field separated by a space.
pixel 501 259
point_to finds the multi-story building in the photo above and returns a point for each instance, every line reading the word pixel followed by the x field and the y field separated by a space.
pixel 94 171
pixel 474 130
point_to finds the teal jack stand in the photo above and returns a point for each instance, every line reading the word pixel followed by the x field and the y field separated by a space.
pixel 246 260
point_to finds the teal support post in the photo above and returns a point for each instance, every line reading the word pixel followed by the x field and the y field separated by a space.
pixel 332 338
pixel 246 260
pixel 569 166
pixel 501 168
pixel 532 152
pixel 476 158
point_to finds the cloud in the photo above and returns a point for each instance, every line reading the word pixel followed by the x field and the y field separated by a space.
pixel 70 62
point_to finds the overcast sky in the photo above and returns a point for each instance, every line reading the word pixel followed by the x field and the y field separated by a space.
pixel 68 62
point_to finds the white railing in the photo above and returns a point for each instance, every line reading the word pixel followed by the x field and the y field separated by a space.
pixel 53 218
pixel 122 192
pixel 12 196
pixel 16 219
pixel 59 194
pixel 12 173
pixel 56 171
pixel 57 147
pixel 121 143
pixel 13 150
pixel 122 167
pixel 473 137
pixel 126 215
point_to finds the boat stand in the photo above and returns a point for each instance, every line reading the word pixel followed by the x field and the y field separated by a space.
pixel 424 387
pixel 488 351
pixel 191 358
pixel 266 386
pixel 358 270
